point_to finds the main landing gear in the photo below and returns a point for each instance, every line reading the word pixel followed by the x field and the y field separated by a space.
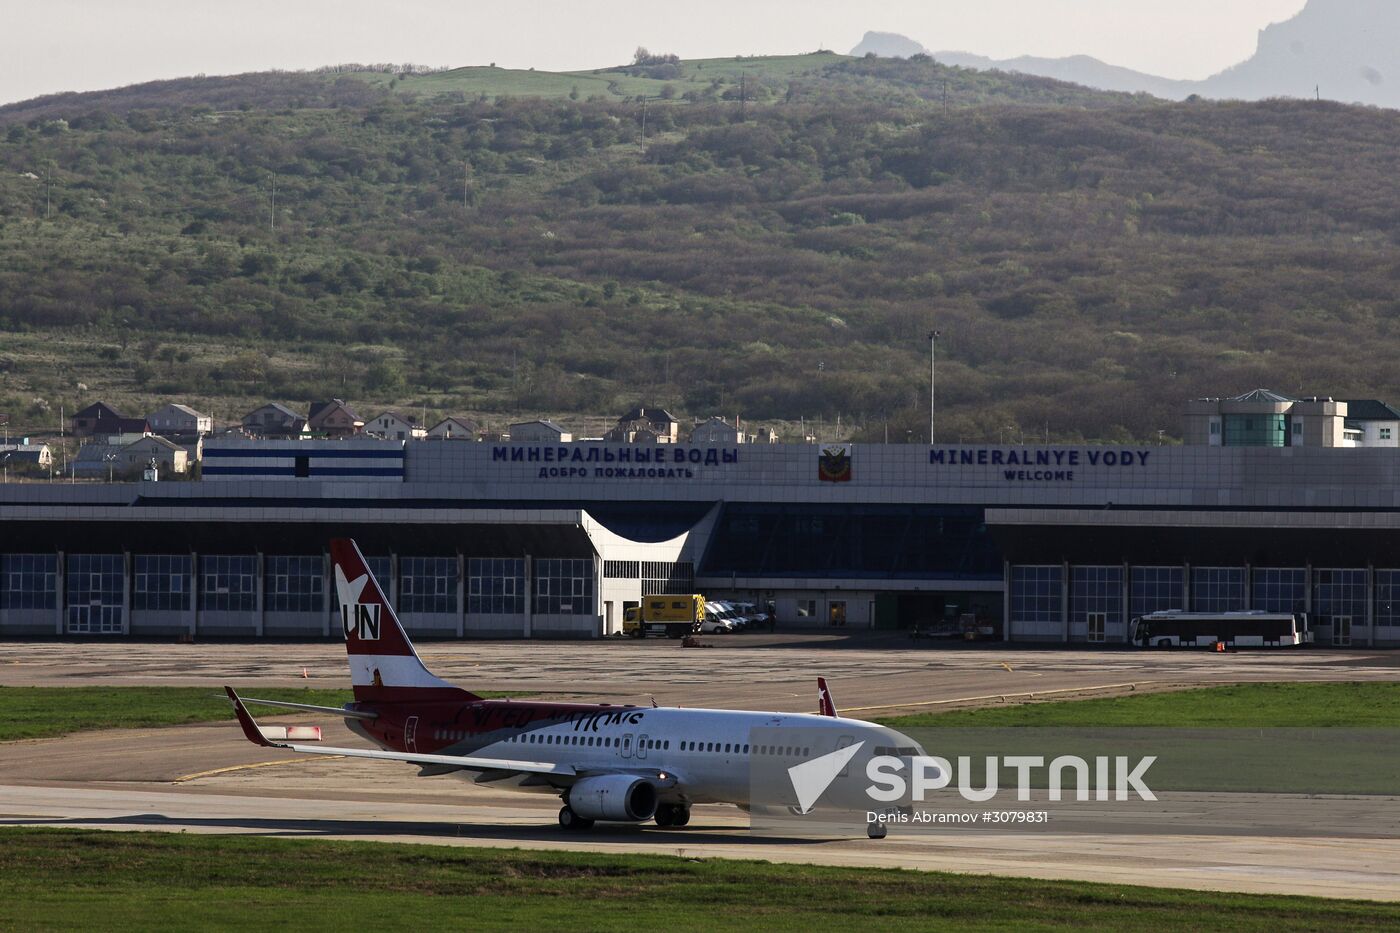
pixel 672 814
pixel 570 820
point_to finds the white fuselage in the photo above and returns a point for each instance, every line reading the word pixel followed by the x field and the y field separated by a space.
pixel 705 755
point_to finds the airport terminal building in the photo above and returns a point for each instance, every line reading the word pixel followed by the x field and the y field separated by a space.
pixel 512 540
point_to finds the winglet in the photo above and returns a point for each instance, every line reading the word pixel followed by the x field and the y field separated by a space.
pixel 250 726
pixel 826 706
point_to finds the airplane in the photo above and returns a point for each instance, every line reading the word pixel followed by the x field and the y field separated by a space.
pixel 607 762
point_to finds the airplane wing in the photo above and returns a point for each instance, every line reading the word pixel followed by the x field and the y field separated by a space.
pixel 466 763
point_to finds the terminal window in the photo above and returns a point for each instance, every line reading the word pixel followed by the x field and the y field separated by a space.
pixel 1279 589
pixel 1157 589
pixel 496 586
pixel 1217 589
pixel 1097 590
pixel 95 593
pixel 28 581
pixel 1387 597
pixel 294 584
pixel 564 587
pixel 1339 594
pixel 428 584
pixel 227 583
pixel 1035 593
pixel 1256 431
pixel 162 582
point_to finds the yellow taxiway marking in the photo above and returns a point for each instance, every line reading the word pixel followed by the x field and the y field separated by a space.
pixel 257 764
pixel 991 696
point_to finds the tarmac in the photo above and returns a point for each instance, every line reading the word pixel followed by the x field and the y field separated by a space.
pixel 207 778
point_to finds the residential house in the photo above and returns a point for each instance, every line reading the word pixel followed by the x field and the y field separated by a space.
pixel 394 426
pixel 175 420
pixel 274 420
pixel 1371 423
pixel 169 456
pixel 36 454
pixel 716 431
pixel 454 429
pixel 334 419
pixel 97 461
pixel 646 425
pixel 539 432
pixel 99 418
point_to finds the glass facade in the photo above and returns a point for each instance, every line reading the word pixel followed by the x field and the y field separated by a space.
pixel 870 541
pixel 1339 593
pixel 227 583
pixel 1217 589
pixel 563 587
pixel 28 581
pixel 1256 430
pixel 1387 597
pixel 1279 589
pixel 162 581
pixel 95 593
pixel 496 585
pixel 1096 590
pixel 428 584
pixel 1157 589
pixel 294 584
pixel 1036 593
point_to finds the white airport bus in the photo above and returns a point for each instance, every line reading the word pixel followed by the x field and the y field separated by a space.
pixel 1175 628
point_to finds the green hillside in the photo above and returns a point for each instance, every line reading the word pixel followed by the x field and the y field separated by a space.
pixel 480 240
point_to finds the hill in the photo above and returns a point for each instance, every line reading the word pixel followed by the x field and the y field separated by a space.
pixel 1091 259
pixel 1342 50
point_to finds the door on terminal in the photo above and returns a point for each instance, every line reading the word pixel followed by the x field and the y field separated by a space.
pixel 95 619
pixel 1341 631
pixel 608 616
pixel 836 612
pixel 1097 623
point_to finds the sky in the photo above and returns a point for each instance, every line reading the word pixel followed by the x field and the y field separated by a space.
pixel 82 45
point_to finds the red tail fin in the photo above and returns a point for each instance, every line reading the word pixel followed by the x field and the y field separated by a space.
pixel 825 704
pixel 384 667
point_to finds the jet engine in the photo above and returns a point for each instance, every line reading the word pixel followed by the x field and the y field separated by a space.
pixel 620 798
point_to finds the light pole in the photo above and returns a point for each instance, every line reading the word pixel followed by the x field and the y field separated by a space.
pixel 933 336
pixel 111 459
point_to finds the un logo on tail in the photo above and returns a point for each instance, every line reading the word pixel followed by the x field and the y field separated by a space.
pixel 361 620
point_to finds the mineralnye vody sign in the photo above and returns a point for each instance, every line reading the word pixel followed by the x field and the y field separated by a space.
pixel 617 463
pixel 1039 465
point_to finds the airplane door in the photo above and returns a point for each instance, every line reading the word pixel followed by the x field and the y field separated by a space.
pixel 410 734
pixel 641 746
pixel 627 745
pixel 844 742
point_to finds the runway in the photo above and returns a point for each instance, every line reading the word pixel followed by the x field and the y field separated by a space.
pixel 206 778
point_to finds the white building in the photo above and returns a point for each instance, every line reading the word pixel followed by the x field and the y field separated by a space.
pixel 454 429
pixel 393 426
pixel 1371 423
pixel 179 419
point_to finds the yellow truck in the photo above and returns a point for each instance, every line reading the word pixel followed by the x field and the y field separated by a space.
pixel 674 616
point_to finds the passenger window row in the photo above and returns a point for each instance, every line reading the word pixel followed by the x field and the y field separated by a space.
pixel 785 751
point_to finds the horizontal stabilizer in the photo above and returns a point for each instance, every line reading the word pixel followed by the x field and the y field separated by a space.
pixel 329 710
